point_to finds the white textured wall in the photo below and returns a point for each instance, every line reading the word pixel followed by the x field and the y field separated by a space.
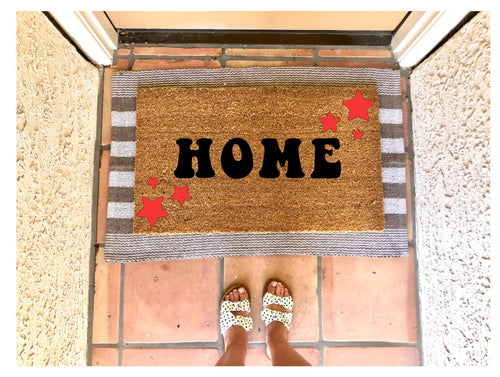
pixel 450 94
pixel 56 126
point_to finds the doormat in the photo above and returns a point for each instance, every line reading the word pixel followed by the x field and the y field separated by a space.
pixel 269 159
pixel 162 195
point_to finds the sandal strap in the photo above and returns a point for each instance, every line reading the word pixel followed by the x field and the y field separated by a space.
pixel 286 302
pixel 227 319
pixel 235 306
pixel 269 316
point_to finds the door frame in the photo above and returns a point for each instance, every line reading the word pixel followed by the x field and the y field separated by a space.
pixel 417 36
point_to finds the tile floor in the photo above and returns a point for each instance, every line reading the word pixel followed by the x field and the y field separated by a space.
pixel 350 311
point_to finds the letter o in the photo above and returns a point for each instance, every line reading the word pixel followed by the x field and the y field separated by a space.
pixel 237 169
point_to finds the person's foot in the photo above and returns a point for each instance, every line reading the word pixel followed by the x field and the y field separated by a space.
pixel 277 333
pixel 236 336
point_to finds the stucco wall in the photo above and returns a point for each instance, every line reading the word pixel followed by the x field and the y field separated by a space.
pixel 450 94
pixel 56 126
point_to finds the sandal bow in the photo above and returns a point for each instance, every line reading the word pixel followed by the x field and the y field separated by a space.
pixel 269 315
pixel 227 319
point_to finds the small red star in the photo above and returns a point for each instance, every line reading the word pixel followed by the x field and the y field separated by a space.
pixel 357 134
pixel 358 106
pixel 329 122
pixel 153 182
pixel 181 194
pixel 152 209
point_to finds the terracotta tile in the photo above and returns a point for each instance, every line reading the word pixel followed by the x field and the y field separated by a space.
pixel 169 357
pixel 123 51
pixel 372 64
pixel 106 300
pixel 371 53
pixel 298 272
pixel 157 307
pixel 121 65
pixel 178 51
pixel 257 356
pixel 102 204
pixel 369 299
pixel 265 63
pixel 303 52
pixel 106 108
pixel 371 356
pixel 105 357
pixel 404 85
pixel 149 64
pixel 409 208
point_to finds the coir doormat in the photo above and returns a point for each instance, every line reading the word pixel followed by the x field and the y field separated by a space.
pixel 268 159
pixel 210 152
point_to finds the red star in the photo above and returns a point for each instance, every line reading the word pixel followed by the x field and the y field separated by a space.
pixel 153 182
pixel 152 209
pixel 329 123
pixel 358 106
pixel 181 194
pixel 357 134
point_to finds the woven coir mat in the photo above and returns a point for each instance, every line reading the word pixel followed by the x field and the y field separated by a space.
pixel 258 159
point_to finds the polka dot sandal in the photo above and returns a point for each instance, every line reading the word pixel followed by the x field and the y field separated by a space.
pixel 269 315
pixel 227 319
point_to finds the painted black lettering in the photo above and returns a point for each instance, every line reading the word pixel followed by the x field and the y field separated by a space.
pixel 233 168
pixel 273 155
pixel 186 154
pixel 323 168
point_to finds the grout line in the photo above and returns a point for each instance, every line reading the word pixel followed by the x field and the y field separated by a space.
pixel 177 57
pixel 172 345
pixel 315 58
pixel 221 292
pixel 120 315
pixel 319 292
pixel 297 344
pixel 222 58
pixel 93 225
pixel 105 345
pixel 413 243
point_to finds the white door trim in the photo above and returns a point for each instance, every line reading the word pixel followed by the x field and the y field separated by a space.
pixel 421 32
pixel 417 36
pixel 92 32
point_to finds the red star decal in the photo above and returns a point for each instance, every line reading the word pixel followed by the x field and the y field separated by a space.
pixel 181 194
pixel 153 182
pixel 329 123
pixel 357 134
pixel 152 210
pixel 358 106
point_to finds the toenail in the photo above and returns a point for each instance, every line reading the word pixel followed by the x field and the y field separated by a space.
pixel 241 290
pixel 274 283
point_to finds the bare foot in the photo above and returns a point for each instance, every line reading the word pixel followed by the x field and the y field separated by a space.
pixel 277 333
pixel 236 336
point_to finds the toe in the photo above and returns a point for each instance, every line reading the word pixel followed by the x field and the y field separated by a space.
pixel 279 290
pixel 271 288
pixel 231 296
pixel 286 292
pixel 243 293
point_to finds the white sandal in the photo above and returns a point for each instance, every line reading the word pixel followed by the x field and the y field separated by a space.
pixel 269 315
pixel 227 319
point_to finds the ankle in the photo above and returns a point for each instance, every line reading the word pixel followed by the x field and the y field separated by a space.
pixel 277 334
pixel 236 338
